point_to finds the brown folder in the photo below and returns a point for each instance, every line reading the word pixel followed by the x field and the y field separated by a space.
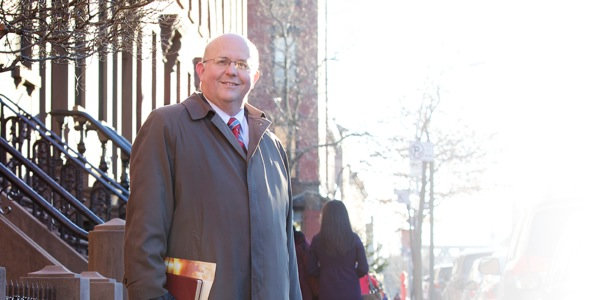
pixel 184 288
pixel 189 279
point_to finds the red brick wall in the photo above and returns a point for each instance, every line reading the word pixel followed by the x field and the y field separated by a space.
pixel 260 31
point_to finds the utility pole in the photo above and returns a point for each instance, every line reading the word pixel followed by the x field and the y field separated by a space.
pixel 421 153
pixel 431 246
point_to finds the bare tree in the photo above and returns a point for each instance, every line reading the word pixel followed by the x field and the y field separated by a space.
pixel 456 167
pixel 290 96
pixel 74 30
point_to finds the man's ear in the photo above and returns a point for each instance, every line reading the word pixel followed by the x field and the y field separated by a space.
pixel 199 69
pixel 256 77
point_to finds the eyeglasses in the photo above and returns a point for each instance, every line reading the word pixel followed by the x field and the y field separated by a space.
pixel 224 62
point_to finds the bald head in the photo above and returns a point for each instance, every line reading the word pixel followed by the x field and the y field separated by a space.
pixel 228 71
pixel 228 39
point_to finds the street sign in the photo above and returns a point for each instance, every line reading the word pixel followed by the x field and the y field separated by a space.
pixel 403 196
pixel 416 169
pixel 421 151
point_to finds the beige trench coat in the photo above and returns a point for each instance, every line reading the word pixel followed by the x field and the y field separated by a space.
pixel 196 195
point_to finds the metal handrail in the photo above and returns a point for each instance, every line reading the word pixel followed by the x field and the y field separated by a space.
pixel 55 186
pixel 55 213
pixel 122 143
pixel 78 159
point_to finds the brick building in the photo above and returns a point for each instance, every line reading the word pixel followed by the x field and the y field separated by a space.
pixel 292 39
pixel 287 36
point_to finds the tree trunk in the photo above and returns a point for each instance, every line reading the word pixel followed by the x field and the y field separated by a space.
pixel 417 282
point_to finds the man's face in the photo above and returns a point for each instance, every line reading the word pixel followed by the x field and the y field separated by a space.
pixel 226 84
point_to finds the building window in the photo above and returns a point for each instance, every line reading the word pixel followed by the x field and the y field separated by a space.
pixel 284 63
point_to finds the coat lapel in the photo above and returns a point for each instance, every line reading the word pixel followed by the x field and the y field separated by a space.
pixel 258 124
pixel 198 108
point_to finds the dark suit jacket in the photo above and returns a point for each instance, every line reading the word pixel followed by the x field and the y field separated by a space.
pixel 196 195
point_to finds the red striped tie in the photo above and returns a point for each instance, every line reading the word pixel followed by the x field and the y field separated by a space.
pixel 236 128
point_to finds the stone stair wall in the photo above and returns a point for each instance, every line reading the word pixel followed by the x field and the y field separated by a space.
pixel 27 245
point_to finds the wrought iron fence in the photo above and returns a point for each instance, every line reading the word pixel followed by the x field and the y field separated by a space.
pixel 106 197
pixel 40 171
pixel 29 290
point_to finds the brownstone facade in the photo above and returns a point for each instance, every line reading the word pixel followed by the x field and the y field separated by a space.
pixel 122 88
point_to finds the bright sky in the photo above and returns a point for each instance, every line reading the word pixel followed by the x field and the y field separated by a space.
pixel 526 71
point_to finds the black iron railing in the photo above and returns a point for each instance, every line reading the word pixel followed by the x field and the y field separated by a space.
pixel 62 214
pixel 27 135
pixel 85 123
pixel 56 183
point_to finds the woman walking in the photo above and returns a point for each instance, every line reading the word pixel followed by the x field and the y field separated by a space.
pixel 337 255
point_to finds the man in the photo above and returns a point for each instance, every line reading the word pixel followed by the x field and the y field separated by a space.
pixel 203 191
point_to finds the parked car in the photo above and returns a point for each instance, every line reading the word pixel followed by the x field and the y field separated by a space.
pixel 460 274
pixel 425 285
pixel 481 285
pixel 553 255
pixel 473 281
pixel 441 276
pixel 489 284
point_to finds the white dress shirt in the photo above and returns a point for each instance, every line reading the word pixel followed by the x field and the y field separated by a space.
pixel 240 116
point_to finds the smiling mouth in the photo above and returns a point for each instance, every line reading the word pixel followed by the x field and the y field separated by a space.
pixel 230 83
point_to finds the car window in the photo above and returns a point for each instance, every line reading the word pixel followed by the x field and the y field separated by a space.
pixel 545 228
pixel 540 235
pixel 574 266
pixel 444 273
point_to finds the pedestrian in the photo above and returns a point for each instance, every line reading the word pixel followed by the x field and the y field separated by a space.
pixel 337 255
pixel 403 287
pixel 210 182
pixel 308 284
pixel 369 288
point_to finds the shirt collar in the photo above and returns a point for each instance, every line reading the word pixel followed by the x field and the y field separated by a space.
pixel 224 116
pixel 240 116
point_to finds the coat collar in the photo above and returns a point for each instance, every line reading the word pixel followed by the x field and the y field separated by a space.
pixel 198 108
